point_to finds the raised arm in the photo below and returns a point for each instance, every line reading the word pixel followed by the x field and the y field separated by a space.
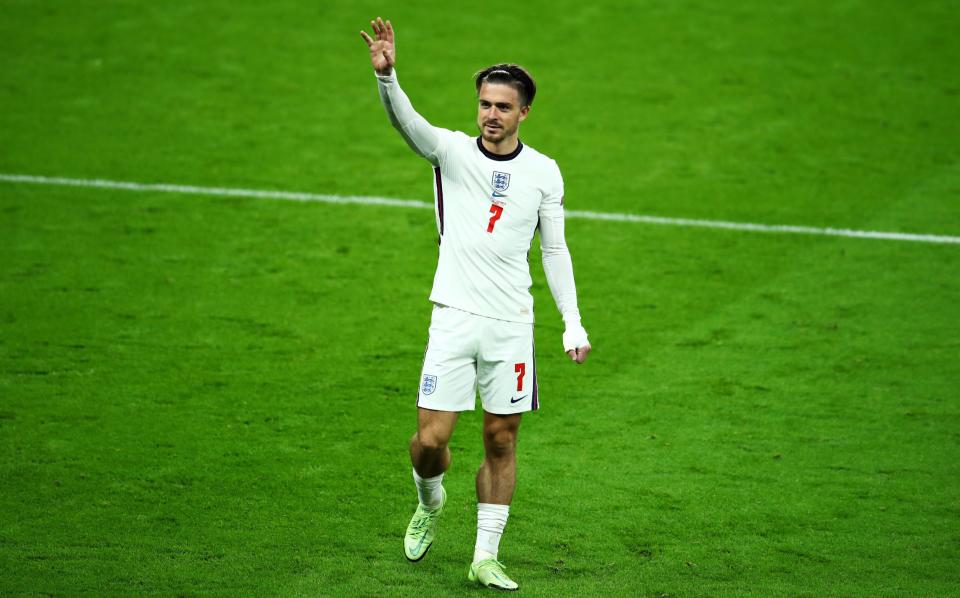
pixel 558 268
pixel 423 138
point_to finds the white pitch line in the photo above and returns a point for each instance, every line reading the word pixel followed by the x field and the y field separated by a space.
pixel 216 191
pixel 766 228
pixel 409 203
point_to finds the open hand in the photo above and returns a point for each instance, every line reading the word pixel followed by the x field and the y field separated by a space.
pixel 383 52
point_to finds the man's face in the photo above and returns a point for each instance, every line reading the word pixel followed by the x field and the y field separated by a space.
pixel 499 112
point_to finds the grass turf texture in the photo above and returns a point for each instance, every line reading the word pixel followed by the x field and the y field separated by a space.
pixel 213 396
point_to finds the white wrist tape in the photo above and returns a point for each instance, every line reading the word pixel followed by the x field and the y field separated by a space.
pixel 574 338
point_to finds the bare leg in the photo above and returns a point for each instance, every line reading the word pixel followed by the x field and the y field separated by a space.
pixel 428 447
pixel 430 457
pixel 498 473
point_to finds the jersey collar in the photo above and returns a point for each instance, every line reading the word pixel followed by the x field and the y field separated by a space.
pixel 500 157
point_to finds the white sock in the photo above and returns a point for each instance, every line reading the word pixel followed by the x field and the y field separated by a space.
pixel 428 490
pixel 491 519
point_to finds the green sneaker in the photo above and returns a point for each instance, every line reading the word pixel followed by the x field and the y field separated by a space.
pixel 422 529
pixel 489 573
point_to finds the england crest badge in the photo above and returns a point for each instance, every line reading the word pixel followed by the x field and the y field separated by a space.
pixel 429 384
pixel 500 182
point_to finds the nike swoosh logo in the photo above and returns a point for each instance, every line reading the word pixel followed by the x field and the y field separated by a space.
pixel 518 400
pixel 495 194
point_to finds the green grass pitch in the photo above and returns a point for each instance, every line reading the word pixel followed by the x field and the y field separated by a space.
pixel 213 396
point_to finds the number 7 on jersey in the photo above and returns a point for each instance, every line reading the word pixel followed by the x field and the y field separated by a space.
pixel 497 212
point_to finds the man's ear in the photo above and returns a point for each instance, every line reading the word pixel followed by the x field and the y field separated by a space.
pixel 523 112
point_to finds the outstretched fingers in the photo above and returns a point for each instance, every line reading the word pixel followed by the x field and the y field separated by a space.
pixel 382 52
pixel 382 29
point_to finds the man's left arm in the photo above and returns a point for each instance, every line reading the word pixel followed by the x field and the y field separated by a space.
pixel 558 268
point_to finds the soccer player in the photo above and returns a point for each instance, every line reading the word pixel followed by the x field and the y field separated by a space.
pixel 492 193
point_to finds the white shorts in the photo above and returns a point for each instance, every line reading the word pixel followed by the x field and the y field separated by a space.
pixel 466 352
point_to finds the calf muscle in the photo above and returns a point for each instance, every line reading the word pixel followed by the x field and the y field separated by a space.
pixel 497 477
pixel 429 452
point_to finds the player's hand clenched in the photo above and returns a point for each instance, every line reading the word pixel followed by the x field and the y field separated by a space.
pixel 580 353
pixel 575 343
pixel 383 50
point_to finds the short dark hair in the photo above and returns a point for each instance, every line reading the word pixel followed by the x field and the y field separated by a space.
pixel 513 75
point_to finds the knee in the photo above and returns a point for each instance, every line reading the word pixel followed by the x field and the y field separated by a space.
pixel 500 443
pixel 431 441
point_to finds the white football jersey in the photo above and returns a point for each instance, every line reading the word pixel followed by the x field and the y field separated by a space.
pixel 488 207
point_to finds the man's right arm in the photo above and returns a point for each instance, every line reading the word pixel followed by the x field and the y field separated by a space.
pixel 420 135
pixel 415 130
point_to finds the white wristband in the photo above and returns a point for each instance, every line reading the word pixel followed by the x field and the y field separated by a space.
pixel 574 338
